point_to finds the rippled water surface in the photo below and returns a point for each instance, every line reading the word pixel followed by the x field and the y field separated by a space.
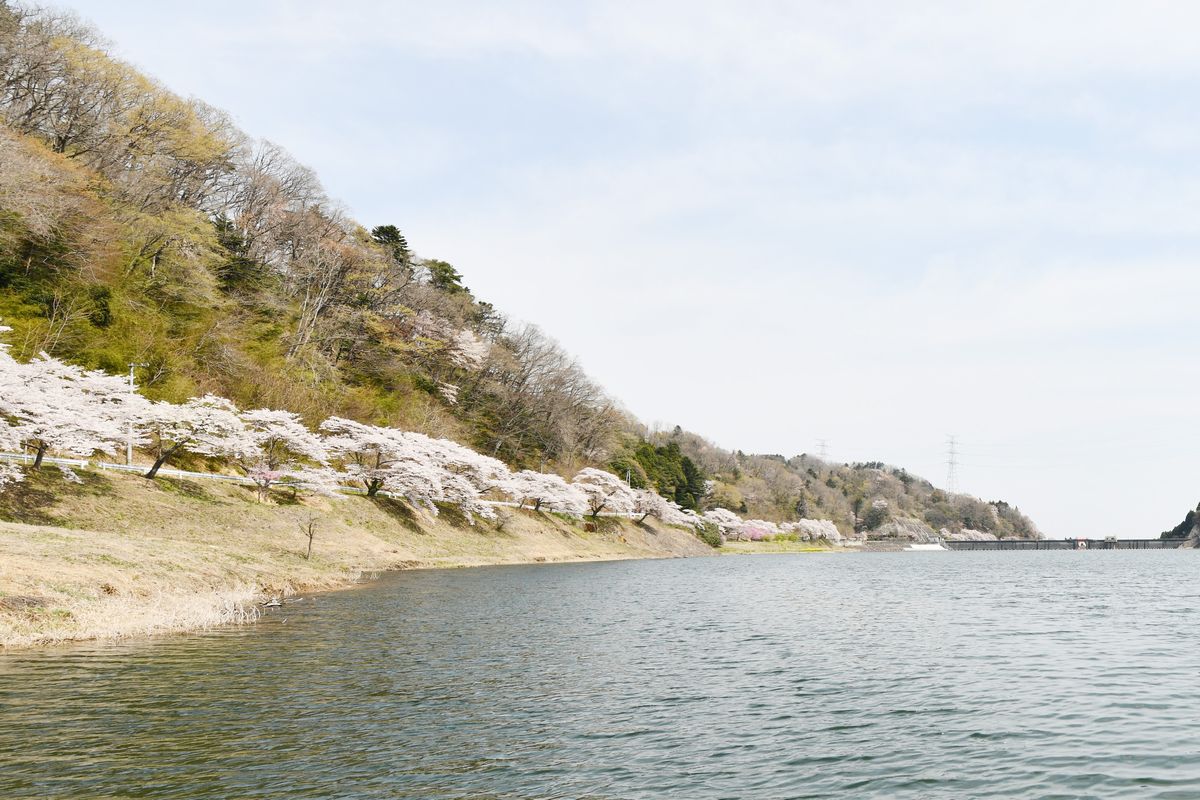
pixel 923 675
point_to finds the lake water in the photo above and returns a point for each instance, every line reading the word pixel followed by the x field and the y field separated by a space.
pixel 912 675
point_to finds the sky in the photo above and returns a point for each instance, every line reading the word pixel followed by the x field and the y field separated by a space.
pixel 774 223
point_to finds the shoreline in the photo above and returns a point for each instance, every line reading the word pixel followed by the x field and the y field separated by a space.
pixel 175 613
pixel 122 557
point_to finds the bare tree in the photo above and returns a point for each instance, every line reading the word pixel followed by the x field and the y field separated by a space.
pixel 309 528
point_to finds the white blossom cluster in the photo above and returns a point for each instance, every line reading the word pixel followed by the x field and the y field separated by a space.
pixel 812 529
pixel 9 474
pixel 967 535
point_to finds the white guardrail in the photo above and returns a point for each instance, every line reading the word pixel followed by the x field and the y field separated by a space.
pixel 166 472
pixel 28 459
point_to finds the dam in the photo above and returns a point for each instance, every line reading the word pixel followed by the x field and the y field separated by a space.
pixel 1109 543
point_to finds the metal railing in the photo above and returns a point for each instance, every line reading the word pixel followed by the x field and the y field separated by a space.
pixel 25 458
pixel 172 473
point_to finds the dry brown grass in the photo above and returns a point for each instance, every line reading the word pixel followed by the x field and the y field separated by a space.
pixel 130 557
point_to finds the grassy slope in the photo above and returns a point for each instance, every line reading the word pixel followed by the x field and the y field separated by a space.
pixel 123 556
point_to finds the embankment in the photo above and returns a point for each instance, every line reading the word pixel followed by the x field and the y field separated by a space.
pixel 121 556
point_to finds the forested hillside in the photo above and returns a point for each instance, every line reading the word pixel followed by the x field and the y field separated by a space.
pixel 871 498
pixel 138 227
pixel 1188 529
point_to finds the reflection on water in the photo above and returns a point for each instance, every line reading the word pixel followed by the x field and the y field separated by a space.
pixel 876 675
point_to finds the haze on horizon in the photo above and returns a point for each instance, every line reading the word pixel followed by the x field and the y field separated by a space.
pixel 774 223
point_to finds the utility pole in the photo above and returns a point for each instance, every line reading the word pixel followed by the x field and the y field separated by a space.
pixel 129 439
pixel 952 464
pixel 823 449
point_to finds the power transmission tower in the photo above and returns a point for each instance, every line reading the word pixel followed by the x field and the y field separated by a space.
pixel 952 464
pixel 823 449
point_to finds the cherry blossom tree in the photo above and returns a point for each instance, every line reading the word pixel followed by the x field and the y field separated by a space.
pixel 651 504
pixel 459 491
pixel 10 439
pixel 813 529
pixel 421 484
pixel 605 491
pixel 382 459
pixel 462 474
pixel 207 425
pixel 756 530
pixel 423 470
pixel 367 453
pixel 684 517
pixel 725 520
pixel 468 351
pixel 53 406
pixel 484 472
pixel 547 491
pixel 318 480
pixel 449 392
pixel 274 443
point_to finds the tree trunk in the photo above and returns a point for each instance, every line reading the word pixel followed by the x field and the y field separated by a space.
pixel 158 463
pixel 41 453
pixel 373 487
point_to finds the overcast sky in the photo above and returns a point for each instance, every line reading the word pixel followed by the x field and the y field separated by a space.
pixel 876 224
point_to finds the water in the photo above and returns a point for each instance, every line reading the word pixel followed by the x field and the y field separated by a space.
pixel 922 675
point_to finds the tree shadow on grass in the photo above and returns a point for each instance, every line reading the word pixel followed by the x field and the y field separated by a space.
pixel 285 497
pixel 605 524
pixel 398 510
pixel 189 489
pixel 453 516
pixel 31 500
pixel 566 525
pixel 645 525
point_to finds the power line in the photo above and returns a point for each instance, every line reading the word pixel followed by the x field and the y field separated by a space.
pixel 952 464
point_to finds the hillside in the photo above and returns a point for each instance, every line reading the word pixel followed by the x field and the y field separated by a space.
pixel 873 499
pixel 138 227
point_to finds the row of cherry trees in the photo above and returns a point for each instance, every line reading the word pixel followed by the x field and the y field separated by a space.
pixel 48 406
pixel 757 530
